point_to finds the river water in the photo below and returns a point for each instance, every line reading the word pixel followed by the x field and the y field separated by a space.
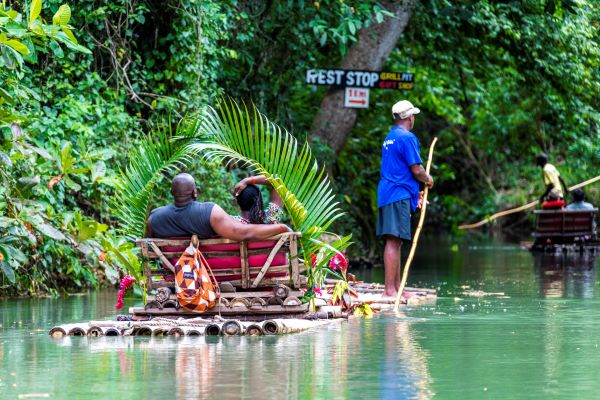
pixel 506 325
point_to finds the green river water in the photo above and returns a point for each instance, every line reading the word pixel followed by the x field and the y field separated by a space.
pixel 537 336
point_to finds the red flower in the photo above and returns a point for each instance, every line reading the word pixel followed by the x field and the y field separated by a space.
pixel 339 260
pixel 313 260
pixel 126 283
pixel 318 291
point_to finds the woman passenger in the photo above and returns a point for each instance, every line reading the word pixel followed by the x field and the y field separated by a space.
pixel 249 198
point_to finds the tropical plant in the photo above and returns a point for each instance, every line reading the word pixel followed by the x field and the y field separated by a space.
pixel 236 134
pixel 21 38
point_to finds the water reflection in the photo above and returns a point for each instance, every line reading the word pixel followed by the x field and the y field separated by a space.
pixel 570 275
pixel 403 351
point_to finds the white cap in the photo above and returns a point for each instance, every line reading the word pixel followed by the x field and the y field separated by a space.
pixel 404 109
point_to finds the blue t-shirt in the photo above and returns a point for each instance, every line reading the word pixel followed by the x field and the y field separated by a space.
pixel 400 150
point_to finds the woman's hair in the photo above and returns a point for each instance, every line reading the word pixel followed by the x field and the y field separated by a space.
pixel 250 199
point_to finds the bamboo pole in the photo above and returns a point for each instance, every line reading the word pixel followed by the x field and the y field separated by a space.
pixel 413 247
pixel 521 208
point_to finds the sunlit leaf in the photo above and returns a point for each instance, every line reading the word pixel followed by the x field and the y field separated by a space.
pixel 62 16
pixel 35 9
pixel 18 46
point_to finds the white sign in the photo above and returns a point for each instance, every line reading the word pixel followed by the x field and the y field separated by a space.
pixel 356 98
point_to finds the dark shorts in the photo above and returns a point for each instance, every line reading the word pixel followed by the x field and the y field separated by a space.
pixel 394 219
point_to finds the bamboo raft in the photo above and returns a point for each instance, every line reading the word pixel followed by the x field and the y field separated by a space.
pixel 240 316
pixel 261 291
pixel 565 231
pixel 186 327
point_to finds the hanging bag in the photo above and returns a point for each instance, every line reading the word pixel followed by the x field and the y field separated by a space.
pixel 196 290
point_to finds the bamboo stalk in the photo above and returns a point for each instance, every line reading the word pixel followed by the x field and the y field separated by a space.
pixel 231 328
pixel 95 331
pixel 111 331
pixel 521 208
pixel 193 331
pixel 176 331
pixel 253 330
pixel 212 330
pixel 417 232
pixel 143 331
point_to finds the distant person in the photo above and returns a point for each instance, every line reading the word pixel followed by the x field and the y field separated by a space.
pixel 250 200
pixel 552 178
pixel 398 192
pixel 579 201
pixel 186 217
pixel 553 202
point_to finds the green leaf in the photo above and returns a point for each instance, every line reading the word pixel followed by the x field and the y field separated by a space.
pixel 5 159
pixel 18 46
pixel 86 229
pixel 71 184
pixel 38 30
pixel 12 14
pixel 34 11
pixel 98 171
pixel 69 34
pixel 352 27
pixel 56 49
pixel 50 231
pixel 8 271
pixel 62 16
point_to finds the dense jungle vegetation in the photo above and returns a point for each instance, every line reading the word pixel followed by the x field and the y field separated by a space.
pixel 82 85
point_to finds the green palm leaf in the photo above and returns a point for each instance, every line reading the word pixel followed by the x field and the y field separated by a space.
pixel 156 155
pixel 235 134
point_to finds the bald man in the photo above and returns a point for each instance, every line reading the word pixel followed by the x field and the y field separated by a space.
pixel 186 217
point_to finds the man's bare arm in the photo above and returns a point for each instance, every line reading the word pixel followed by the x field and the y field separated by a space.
pixel 225 226
pixel 419 173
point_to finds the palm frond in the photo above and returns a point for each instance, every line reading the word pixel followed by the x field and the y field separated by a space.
pixel 157 154
pixel 234 133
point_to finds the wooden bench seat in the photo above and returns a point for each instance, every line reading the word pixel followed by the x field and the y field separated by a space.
pixel 564 225
pixel 247 264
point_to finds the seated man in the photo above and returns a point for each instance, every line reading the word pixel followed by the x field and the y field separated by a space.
pixel 188 217
pixel 554 201
pixel 579 201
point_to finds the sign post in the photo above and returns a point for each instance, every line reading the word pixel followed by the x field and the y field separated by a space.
pixel 356 98
pixel 358 82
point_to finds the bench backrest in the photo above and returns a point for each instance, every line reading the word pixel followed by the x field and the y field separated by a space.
pixel 247 264
pixel 565 223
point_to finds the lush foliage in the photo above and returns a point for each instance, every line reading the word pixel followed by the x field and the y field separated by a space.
pixel 228 135
pixel 497 82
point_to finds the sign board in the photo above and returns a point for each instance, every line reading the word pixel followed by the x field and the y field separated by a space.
pixel 356 98
pixel 360 79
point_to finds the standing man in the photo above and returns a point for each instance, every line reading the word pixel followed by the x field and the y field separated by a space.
pixel 398 193
pixel 552 178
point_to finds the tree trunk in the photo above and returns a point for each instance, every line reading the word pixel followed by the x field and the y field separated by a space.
pixel 333 122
